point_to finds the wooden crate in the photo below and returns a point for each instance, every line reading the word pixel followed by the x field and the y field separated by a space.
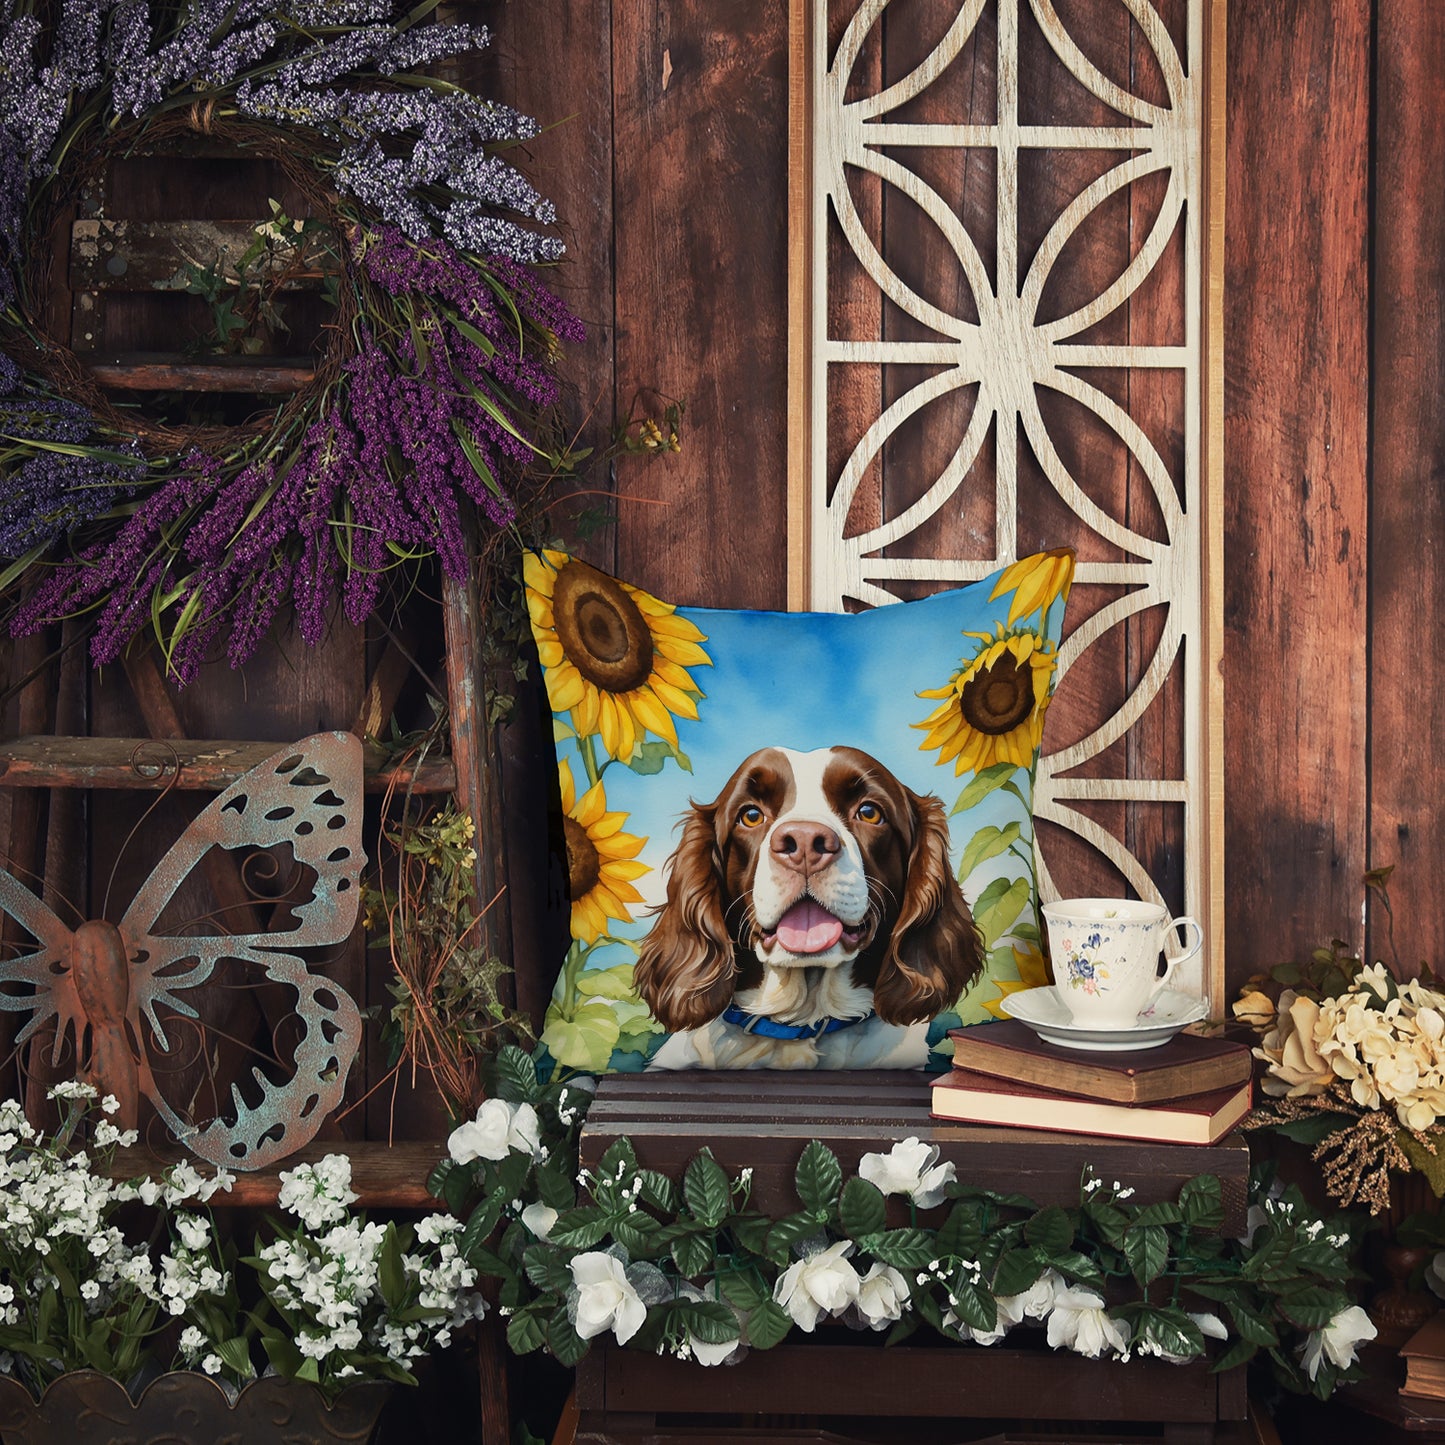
pixel 851 1390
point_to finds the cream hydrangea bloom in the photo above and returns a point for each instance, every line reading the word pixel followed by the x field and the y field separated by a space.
pixel 1386 1042
pixel 1296 1067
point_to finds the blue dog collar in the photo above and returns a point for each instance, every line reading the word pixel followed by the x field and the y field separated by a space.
pixel 764 1027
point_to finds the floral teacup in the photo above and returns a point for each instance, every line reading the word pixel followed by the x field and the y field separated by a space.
pixel 1106 957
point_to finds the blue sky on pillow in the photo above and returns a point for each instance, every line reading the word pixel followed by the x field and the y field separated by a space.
pixel 656 707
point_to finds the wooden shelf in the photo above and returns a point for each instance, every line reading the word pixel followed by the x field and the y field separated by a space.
pixel 207 765
pixel 383 1176
pixel 162 372
pixel 762 1119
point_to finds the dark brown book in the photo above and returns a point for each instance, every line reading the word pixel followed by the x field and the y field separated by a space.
pixel 1424 1356
pixel 980 1099
pixel 1185 1066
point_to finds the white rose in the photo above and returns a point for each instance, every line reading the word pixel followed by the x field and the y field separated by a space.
pixel 1078 1322
pixel 605 1298
pixel 1034 1303
pixel 822 1283
pixel 1337 1341
pixel 909 1168
pixel 539 1219
pixel 498 1128
pixel 882 1296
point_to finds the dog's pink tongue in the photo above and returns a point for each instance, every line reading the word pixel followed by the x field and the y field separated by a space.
pixel 807 927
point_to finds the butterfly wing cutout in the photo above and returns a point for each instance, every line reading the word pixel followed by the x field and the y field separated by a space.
pixel 305 800
pixel 42 976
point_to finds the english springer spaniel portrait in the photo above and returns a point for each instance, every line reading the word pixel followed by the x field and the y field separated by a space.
pixel 812 921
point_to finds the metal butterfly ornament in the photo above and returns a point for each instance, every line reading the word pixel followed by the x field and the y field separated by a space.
pixel 115 988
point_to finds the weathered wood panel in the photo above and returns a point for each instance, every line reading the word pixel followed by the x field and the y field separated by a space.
pixel 554 62
pixel 762 1121
pixel 700 140
pixel 1407 490
pixel 1296 499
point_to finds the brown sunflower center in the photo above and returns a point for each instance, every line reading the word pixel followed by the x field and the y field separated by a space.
pixel 998 697
pixel 584 867
pixel 600 628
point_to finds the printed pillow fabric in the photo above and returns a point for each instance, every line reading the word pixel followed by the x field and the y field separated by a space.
pixel 793 840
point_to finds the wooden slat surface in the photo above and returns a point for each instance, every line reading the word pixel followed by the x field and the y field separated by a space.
pixel 1296 496
pixel 911 1380
pixel 206 766
pixel 158 371
pixel 1407 512
pixel 382 1175
pixel 700 140
pixel 762 1120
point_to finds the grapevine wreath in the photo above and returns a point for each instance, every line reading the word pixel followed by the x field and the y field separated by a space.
pixel 425 407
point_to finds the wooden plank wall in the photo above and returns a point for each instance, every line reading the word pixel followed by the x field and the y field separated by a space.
pixel 671 175
pixel 666 152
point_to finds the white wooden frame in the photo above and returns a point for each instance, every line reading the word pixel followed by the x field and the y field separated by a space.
pixel 1184 138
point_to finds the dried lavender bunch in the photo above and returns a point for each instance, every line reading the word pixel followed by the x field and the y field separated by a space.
pixel 430 411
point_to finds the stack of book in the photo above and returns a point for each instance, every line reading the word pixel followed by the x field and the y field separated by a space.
pixel 1424 1356
pixel 1190 1090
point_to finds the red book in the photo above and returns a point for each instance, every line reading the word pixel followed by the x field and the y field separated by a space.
pixel 1184 1066
pixel 973 1098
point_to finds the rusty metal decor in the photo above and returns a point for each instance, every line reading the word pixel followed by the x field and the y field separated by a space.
pixel 118 993
pixel 992 361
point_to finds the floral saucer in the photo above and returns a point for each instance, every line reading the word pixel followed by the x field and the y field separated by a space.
pixel 1042 1010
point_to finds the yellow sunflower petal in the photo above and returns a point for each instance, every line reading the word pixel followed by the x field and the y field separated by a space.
pixel 565 687
pixel 624 869
pixel 612 726
pixel 673 699
pixel 652 714
pixel 670 623
pixel 606 826
pixel 587 713
pixel 684 653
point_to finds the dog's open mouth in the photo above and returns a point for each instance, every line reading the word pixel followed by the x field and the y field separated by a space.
pixel 808 928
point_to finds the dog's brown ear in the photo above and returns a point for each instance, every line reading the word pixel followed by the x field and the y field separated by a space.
pixel 935 950
pixel 685 970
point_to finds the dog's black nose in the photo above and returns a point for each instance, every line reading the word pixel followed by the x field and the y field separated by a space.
pixel 806 847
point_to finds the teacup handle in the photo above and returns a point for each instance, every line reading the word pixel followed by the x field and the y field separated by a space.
pixel 1170 964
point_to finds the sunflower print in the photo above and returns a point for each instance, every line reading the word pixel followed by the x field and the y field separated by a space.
pixel 613 656
pixel 601 860
pixel 992 710
pixel 1035 582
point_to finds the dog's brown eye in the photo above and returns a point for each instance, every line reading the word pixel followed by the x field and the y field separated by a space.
pixel 870 813
pixel 751 816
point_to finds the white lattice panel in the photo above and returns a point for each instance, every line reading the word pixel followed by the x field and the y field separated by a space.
pixel 997 337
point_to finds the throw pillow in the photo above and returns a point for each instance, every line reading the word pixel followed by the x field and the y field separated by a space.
pixel 793 839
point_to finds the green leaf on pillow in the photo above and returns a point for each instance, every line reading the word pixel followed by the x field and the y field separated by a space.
pixel 583 1041
pixel 998 906
pixel 987 843
pixel 981 785
pixel 614 982
pixel 649 757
